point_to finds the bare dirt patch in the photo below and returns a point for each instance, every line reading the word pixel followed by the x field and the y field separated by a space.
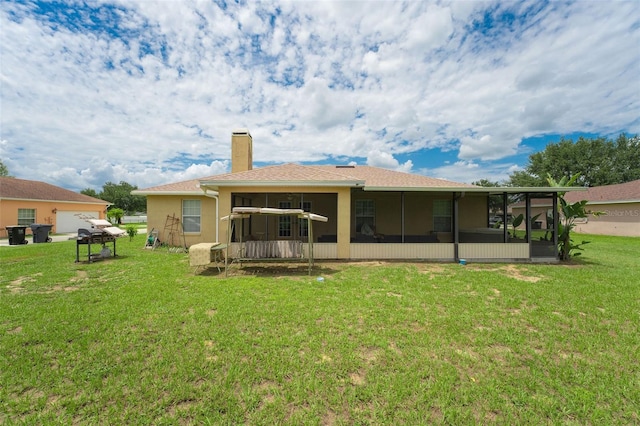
pixel 358 378
pixel 370 354
pixel 511 271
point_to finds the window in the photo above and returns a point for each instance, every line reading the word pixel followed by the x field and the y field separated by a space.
pixel 284 222
pixel 26 217
pixel 304 223
pixel 365 216
pixel 442 215
pixel 191 215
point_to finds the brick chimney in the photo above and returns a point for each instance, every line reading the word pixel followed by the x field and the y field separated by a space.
pixel 241 150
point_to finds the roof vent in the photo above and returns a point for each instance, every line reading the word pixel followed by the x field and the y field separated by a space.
pixel 346 167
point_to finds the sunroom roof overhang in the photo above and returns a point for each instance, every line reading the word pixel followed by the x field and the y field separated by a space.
pixel 477 190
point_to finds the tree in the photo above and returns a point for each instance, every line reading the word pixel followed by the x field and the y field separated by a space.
pixel 486 183
pixel 494 202
pixel 596 162
pixel 4 170
pixel 120 195
pixel 90 192
pixel 115 215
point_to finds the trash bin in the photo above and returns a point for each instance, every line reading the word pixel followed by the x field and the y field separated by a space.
pixel 16 235
pixel 41 232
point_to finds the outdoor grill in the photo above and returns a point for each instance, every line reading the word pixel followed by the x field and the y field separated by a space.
pixel 102 234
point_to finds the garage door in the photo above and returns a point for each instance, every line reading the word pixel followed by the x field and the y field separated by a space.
pixel 71 221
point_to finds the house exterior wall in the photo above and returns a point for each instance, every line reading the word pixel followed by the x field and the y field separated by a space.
pixel 45 212
pixel 473 212
pixel 161 206
pixel 621 219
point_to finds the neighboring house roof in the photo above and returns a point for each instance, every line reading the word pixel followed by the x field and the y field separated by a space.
pixel 22 189
pixel 620 193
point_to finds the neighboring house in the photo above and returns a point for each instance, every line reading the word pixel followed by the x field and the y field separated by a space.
pixel 23 202
pixel 373 213
pixel 620 205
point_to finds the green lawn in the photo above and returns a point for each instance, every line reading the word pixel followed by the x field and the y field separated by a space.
pixel 141 340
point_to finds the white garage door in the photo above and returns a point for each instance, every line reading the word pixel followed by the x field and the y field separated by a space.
pixel 71 221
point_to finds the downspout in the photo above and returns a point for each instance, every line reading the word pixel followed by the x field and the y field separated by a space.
pixel 217 213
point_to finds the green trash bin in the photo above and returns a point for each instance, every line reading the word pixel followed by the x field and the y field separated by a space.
pixel 41 232
pixel 17 235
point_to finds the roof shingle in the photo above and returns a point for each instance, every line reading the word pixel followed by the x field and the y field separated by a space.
pixel 23 189
pixel 629 191
pixel 296 173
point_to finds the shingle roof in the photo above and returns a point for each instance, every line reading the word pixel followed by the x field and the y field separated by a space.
pixel 22 189
pixel 284 173
pixel 629 191
pixel 369 176
pixel 378 177
pixel 186 186
pixel 296 173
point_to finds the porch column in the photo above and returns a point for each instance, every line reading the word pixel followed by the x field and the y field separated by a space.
pixel 505 234
pixel 456 237
pixel 344 224
pixel 527 218
pixel 224 200
pixel 556 223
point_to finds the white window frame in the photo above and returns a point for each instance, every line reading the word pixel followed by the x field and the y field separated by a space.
pixel 191 216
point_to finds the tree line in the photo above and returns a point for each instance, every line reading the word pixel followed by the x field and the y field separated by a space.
pixel 598 161
pixel 120 195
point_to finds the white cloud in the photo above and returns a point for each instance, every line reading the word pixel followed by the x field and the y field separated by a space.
pixel 385 160
pixel 152 96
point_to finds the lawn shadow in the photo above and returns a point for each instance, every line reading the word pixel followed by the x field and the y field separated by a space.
pixel 97 259
pixel 268 269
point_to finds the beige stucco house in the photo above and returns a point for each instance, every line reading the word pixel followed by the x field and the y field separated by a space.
pixel 619 205
pixel 373 213
pixel 23 202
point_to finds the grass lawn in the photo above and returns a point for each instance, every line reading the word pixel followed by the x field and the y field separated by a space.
pixel 139 339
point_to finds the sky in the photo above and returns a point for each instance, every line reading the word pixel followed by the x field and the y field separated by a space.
pixel 148 92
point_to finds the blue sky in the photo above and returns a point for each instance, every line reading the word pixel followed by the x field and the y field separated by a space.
pixel 148 92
